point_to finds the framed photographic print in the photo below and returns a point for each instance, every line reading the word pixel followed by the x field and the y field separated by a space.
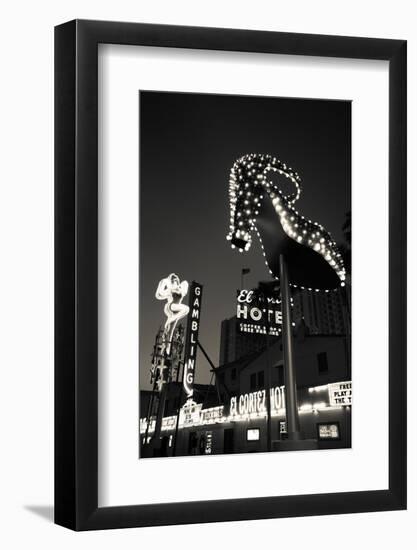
pixel 230 274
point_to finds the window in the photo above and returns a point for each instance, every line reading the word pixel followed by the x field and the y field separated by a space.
pixel 322 362
pixel 257 380
pixel 278 376
pixel 261 380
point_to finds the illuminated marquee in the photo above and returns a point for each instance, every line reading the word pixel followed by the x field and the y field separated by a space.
pixel 258 313
pixel 253 405
pixel 212 415
pixel 190 414
pixel 340 394
pixel 191 338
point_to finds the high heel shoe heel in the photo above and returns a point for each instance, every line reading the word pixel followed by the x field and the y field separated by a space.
pixel 313 258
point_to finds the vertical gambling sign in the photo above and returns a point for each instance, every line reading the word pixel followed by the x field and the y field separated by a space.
pixel 191 338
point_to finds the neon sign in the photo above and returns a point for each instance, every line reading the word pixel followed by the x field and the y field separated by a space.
pixel 249 183
pixel 258 313
pixel 252 405
pixel 255 402
pixel 191 338
pixel 173 291
pixel 190 414
pixel 212 415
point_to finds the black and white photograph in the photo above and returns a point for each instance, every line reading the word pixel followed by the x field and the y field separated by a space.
pixel 208 297
pixel 245 274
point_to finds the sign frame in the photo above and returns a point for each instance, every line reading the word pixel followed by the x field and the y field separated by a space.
pixel 76 274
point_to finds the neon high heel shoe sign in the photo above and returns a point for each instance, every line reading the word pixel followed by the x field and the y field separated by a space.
pixel 249 186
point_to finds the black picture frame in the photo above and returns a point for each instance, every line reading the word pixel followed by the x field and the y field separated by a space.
pixel 76 270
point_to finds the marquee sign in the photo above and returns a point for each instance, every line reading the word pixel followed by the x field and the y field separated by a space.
pixel 191 338
pixel 340 394
pixel 258 313
pixel 212 415
pixel 190 414
pixel 253 405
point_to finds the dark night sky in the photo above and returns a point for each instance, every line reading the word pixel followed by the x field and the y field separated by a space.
pixel 188 144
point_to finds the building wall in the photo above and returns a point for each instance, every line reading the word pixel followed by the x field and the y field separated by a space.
pixel 318 360
pixel 234 344
pixel 322 312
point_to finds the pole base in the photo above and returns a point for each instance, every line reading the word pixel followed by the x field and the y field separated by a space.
pixel 295 445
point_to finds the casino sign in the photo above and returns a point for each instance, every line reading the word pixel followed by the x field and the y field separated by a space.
pixel 258 313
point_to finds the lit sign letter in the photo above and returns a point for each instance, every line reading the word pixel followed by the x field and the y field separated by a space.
pixel 242 311
pixel 255 313
pixel 233 406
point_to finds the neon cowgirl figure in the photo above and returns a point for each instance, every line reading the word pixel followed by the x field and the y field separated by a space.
pixel 173 291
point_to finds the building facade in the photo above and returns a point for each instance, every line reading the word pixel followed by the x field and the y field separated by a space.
pixel 322 312
pixel 239 418
pixel 235 344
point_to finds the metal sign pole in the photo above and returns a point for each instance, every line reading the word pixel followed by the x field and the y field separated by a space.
pixel 160 413
pixel 177 423
pixel 148 417
pixel 291 404
pixel 267 382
